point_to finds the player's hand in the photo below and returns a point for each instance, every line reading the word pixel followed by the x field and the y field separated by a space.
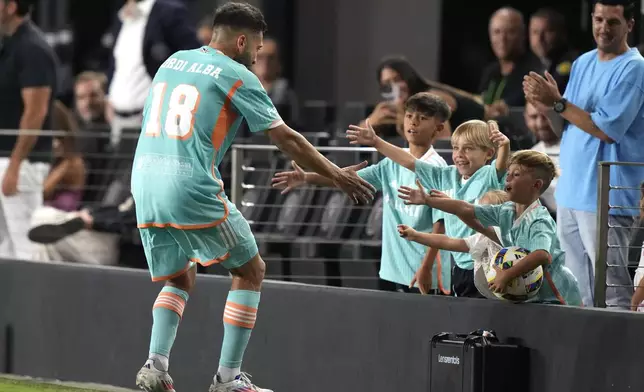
pixel 501 280
pixel 498 138
pixel 363 136
pixel 422 279
pixel 10 182
pixel 406 232
pixel 287 181
pixel 383 113
pixel 416 196
pixel 359 190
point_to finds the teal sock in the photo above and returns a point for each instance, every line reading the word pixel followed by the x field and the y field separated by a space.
pixel 239 319
pixel 166 313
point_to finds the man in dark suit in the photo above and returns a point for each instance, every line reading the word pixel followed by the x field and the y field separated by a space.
pixel 145 33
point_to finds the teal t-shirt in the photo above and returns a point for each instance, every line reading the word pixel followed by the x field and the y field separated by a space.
pixel 196 103
pixel 535 230
pixel 448 180
pixel 401 258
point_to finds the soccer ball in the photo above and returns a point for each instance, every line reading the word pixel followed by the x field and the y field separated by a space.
pixel 521 288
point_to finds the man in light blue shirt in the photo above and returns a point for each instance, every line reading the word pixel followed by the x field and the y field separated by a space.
pixel 604 109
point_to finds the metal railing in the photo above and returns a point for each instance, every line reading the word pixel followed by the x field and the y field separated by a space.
pixel 602 262
pixel 301 250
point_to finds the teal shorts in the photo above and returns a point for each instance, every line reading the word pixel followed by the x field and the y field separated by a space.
pixel 171 251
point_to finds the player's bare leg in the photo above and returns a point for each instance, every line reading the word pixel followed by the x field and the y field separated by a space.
pixel 167 312
pixel 239 319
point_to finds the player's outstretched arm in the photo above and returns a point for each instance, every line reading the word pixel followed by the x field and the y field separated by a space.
pixel 437 241
pixel 300 150
pixel 289 180
pixel 367 137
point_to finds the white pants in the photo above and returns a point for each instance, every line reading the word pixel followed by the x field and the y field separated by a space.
pixel 16 210
pixel 577 232
pixel 86 246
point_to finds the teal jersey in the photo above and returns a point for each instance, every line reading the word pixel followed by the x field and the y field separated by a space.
pixel 535 230
pixel 401 258
pixel 197 101
pixel 449 180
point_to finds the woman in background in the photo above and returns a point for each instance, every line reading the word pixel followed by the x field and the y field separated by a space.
pixel 63 188
pixel 398 81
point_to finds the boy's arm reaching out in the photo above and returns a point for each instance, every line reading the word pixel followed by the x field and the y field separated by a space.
pixel 367 137
pixel 440 241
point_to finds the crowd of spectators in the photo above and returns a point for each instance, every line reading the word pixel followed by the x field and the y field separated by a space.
pixel 69 200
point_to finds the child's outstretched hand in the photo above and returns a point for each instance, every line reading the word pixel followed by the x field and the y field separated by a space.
pixel 406 232
pixel 287 181
pixel 498 138
pixel 416 196
pixel 363 136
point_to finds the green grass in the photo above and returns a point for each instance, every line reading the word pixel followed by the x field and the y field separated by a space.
pixel 11 385
pixel 27 386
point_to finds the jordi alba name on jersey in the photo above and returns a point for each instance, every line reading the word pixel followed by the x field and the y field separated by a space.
pixel 197 101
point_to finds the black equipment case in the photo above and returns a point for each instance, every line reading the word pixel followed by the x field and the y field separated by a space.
pixel 477 362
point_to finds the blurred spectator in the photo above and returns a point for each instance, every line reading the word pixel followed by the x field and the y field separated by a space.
pixel 91 110
pixel 27 88
pixel 89 236
pixel 145 34
pixel 547 143
pixel 63 188
pixel 268 69
pixel 399 80
pixel 204 30
pixel 501 83
pixel 549 42
pixel 90 99
pixel 604 110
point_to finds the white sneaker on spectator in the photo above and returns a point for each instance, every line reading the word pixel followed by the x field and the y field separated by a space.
pixel 150 379
pixel 239 384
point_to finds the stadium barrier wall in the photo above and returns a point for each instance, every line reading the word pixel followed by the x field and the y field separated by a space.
pixel 86 323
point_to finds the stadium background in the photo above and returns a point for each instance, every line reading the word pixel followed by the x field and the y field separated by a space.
pixel 330 50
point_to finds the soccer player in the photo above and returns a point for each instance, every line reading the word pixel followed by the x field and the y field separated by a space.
pixel 425 115
pixel 523 222
pixel 197 101
pixel 474 144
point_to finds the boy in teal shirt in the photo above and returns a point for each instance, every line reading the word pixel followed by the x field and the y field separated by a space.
pixel 523 222
pixel 474 143
pixel 424 118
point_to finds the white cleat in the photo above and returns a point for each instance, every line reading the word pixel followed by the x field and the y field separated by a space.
pixel 241 383
pixel 150 379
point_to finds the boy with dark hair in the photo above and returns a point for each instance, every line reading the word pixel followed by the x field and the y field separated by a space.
pixel 424 117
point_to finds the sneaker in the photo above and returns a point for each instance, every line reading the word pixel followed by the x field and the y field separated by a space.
pixel 241 383
pixel 150 379
pixel 50 233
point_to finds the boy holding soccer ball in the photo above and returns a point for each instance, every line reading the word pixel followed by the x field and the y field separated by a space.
pixel 523 222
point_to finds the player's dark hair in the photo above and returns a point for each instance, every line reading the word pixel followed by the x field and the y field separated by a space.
pixel 415 82
pixel 429 105
pixel 240 16
pixel 629 6
pixel 23 7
